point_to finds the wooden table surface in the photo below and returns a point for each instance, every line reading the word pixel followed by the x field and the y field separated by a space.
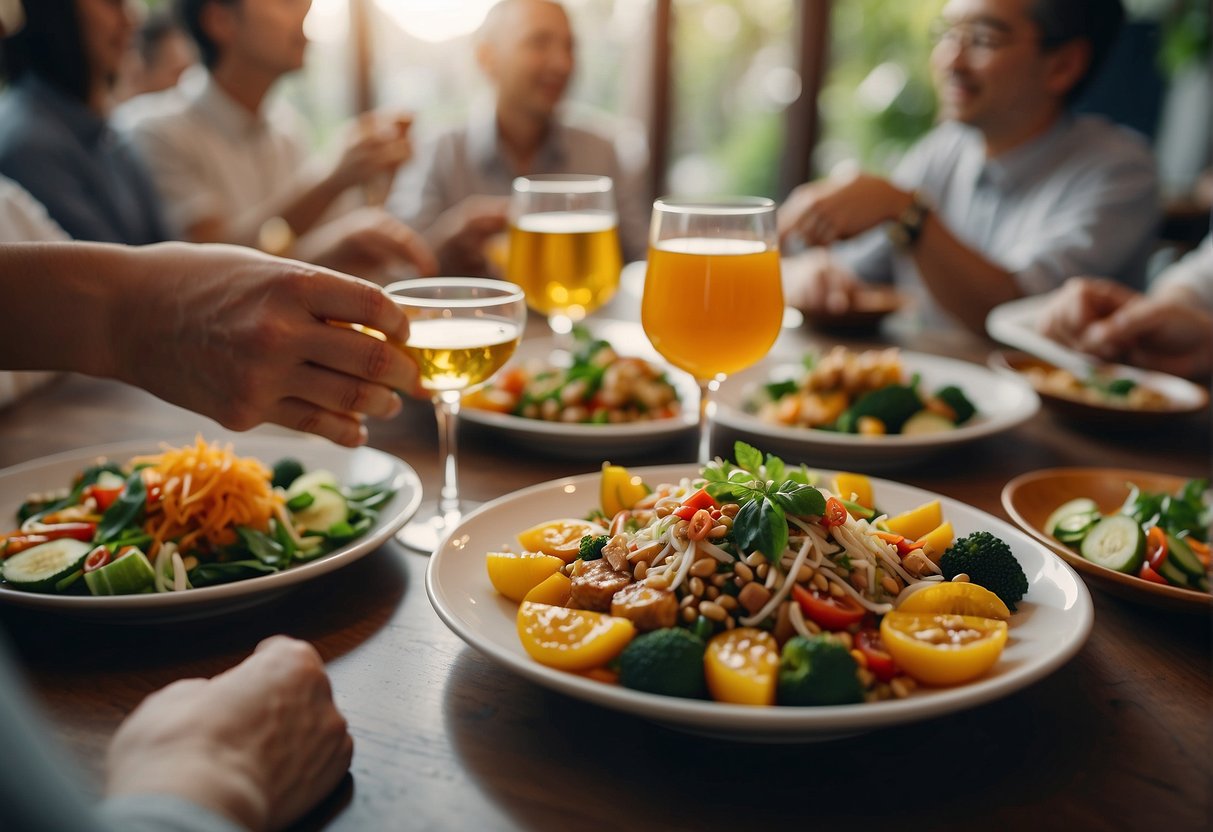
pixel 1118 738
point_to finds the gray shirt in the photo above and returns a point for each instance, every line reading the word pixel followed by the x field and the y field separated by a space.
pixel 69 159
pixel 468 160
pixel 1081 199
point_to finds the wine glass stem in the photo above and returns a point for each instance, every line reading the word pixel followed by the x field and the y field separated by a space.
pixel 707 413
pixel 446 408
pixel 562 329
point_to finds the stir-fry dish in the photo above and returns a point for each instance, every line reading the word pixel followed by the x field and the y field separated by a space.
pixel 754 584
pixel 1162 538
pixel 867 393
pixel 1099 389
pixel 188 517
pixel 600 387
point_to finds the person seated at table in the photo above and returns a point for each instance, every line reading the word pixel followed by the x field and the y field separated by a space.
pixel 1009 195
pixel 456 192
pixel 1169 328
pixel 229 168
pixel 162 52
pixel 54 136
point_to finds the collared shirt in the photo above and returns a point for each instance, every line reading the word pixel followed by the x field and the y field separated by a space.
pixel 213 159
pixel 67 157
pixel 469 160
pixel 1081 199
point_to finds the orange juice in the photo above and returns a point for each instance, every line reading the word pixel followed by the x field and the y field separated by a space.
pixel 712 306
pixel 567 263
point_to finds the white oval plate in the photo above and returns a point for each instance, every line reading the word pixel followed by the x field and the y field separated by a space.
pixel 351 467
pixel 1002 403
pixel 583 441
pixel 1052 623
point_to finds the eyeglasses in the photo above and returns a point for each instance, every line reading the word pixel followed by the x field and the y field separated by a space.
pixel 980 38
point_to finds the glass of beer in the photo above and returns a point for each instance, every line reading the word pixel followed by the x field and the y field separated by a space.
pixel 461 331
pixel 564 246
pixel 713 297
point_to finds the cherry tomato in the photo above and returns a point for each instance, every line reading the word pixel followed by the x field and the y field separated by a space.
pixel 879 661
pixel 1148 574
pixel 97 558
pixel 1156 547
pixel 829 612
pixel 103 497
pixel 836 513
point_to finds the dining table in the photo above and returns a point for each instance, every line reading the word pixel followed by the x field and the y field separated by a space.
pixel 446 739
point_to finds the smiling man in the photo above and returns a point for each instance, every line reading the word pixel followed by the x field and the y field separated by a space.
pixel 456 192
pixel 1009 195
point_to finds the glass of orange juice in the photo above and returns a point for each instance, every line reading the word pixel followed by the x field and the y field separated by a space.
pixel 564 246
pixel 713 296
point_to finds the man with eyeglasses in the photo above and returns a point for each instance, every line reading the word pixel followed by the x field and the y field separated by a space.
pixel 1009 195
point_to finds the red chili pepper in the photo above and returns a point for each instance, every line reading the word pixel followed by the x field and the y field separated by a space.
pixel 879 661
pixel 700 499
pixel 1146 573
pixel 97 558
pixel 1156 547
pixel 836 513
pixel 21 541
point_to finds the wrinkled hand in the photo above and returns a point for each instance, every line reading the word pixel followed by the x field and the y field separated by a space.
pixel 245 338
pixel 261 743
pixel 369 243
pixel 460 233
pixel 375 146
pixel 1080 302
pixel 816 282
pixel 837 208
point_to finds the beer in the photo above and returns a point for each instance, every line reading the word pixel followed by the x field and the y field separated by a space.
pixel 568 263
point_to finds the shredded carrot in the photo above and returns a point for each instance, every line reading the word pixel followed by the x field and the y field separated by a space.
pixel 205 492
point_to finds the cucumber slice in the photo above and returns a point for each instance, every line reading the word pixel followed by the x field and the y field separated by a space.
pixel 1173 574
pixel 128 575
pixel 1072 528
pixel 1181 553
pixel 328 508
pixel 1082 506
pixel 40 567
pixel 924 423
pixel 1115 542
pixel 310 483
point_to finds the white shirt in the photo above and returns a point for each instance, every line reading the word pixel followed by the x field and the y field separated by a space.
pixel 23 220
pixel 1194 272
pixel 210 158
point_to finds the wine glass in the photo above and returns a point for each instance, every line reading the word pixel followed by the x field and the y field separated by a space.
pixel 713 297
pixel 564 247
pixel 461 331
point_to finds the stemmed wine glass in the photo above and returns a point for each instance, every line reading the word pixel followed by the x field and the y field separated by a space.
pixel 461 331
pixel 564 246
pixel 713 298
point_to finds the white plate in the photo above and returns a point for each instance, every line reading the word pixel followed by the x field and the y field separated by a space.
pixel 1051 625
pixel 583 441
pixel 351 467
pixel 1002 403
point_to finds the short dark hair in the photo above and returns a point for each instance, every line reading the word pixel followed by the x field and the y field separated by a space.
pixel 189 13
pixel 1097 22
pixel 50 46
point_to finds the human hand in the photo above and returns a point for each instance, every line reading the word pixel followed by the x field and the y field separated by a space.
pixel 367 242
pixel 261 743
pixel 839 207
pixel 1080 302
pixel 1170 334
pixel 246 338
pixel 460 233
pixel 815 282
pixel 375 146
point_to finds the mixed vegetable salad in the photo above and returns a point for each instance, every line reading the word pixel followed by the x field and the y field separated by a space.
pixel 188 517
pixel 1101 389
pixel 1162 538
pixel 867 393
pixel 599 387
pixel 752 583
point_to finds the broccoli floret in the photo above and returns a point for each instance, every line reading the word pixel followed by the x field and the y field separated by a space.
pixel 817 671
pixel 668 662
pixel 955 398
pixel 988 562
pixel 591 546
pixel 892 405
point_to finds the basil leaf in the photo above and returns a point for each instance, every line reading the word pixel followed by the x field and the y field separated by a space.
pixel 748 457
pixel 800 500
pixel 125 511
pixel 774 468
pixel 761 525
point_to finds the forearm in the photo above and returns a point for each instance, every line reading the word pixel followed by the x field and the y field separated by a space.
pixel 962 281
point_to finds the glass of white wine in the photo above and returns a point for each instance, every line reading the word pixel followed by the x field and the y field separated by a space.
pixel 461 331
pixel 564 246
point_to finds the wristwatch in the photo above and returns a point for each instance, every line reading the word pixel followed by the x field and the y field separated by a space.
pixel 907 228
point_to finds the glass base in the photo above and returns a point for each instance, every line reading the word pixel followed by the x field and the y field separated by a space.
pixel 428 527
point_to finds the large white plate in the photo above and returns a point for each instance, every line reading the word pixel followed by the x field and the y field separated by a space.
pixel 1051 625
pixel 1002 403
pixel 582 441
pixel 351 467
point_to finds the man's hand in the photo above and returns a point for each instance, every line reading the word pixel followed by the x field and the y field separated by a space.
pixel 815 282
pixel 369 243
pixel 460 233
pixel 838 208
pixel 260 744
pixel 375 146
